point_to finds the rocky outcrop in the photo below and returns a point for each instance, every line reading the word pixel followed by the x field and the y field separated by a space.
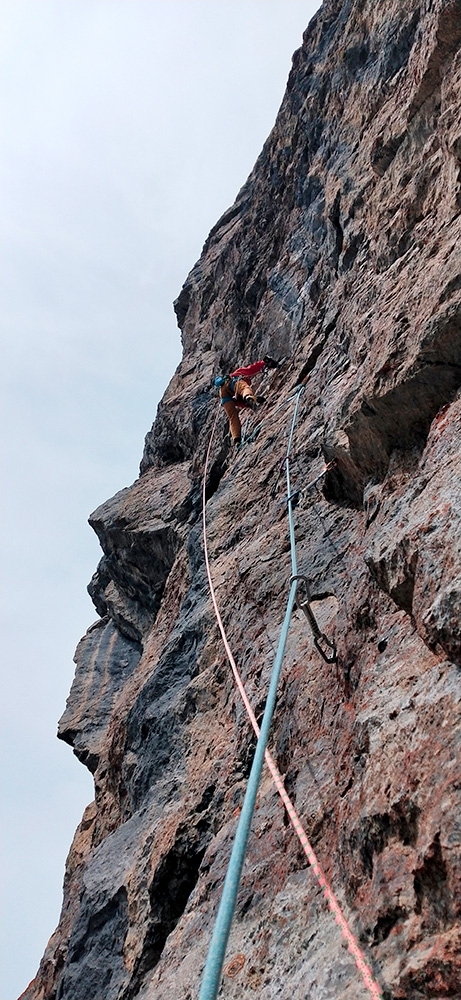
pixel 341 254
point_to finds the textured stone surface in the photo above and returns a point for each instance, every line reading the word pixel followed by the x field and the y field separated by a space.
pixel 342 254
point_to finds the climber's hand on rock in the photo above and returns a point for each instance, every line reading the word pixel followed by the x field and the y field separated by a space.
pixel 270 362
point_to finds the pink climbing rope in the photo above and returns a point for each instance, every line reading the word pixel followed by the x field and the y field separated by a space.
pixel 295 821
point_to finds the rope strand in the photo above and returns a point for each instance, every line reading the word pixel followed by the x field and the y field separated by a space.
pixel 215 958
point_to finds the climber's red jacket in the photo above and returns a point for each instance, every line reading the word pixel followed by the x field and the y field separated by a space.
pixel 240 392
pixel 237 392
pixel 249 371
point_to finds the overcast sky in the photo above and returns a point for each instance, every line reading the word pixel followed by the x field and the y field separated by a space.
pixel 127 128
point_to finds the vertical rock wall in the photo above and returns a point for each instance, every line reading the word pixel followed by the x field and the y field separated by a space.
pixel 342 254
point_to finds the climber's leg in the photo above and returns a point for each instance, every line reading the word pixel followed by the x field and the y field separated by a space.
pixel 234 420
pixel 245 393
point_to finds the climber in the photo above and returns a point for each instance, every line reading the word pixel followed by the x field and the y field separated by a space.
pixel 235 391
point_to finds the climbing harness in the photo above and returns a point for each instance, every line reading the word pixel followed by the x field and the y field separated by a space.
pixel 231 382
pixel 216 953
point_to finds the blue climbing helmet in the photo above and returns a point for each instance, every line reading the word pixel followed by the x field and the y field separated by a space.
pixel 221 380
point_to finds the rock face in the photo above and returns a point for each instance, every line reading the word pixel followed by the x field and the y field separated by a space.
pixel 342 253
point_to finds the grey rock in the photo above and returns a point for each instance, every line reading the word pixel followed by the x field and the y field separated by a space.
pixel 342 255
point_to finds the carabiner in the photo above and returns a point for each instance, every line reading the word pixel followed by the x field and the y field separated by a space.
pixel 319 637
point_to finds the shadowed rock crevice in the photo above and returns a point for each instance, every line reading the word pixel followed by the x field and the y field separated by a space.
pixel 343 484
pixel 166 444
pixel 383 153
pixel 155 728
pixel 173 437
pixel 335 219
pixel 433 897
pixel 95 958
pixel 400 420
pixel 172 885
pixel 447 40
pixel 130 579
pixel 396 575
pixel 217 470
pixel 216 473
pixel 374 833
pixel 314 355
pixel 395 424
pixel 386 923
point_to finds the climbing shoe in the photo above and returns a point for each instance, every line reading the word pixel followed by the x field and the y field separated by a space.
pixel 237 442
pixel 260 399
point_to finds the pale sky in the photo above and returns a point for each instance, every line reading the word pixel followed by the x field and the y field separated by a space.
pixel 127 128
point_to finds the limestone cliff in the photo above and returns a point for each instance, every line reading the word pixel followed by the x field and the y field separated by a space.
pixel 342 254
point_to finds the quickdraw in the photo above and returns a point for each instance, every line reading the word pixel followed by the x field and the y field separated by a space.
pixel 325 646
pixel 304 489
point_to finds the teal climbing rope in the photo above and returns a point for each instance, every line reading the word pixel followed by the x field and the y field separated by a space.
pixel 215 959
pixel 216 953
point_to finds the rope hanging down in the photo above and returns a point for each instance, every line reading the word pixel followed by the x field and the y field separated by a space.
pixel 215 958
